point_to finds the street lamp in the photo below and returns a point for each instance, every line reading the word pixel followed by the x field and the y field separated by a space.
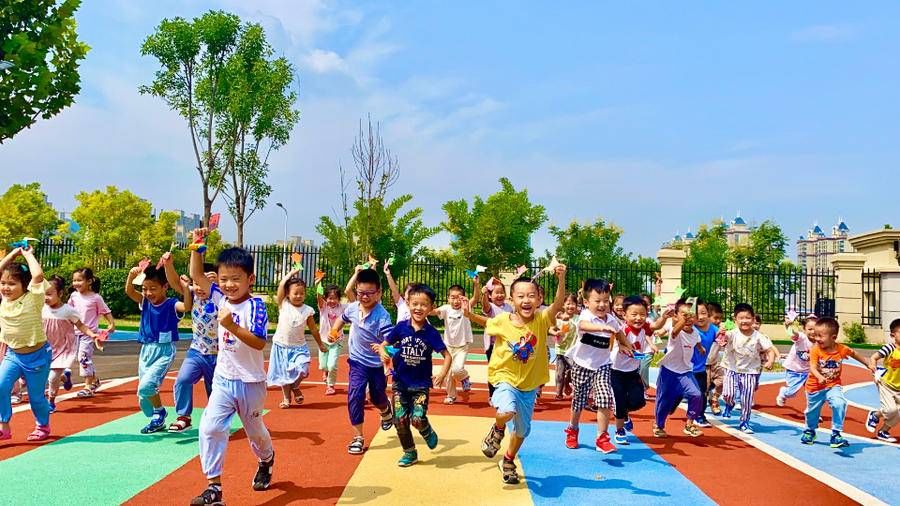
pixel 279 204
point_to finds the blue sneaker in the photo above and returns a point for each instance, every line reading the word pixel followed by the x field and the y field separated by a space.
pixel 157 422
pixel 621 437
pixel 408 459
pixel 745 428
pixel 67 380
pixel 52 406
pixel 883 435
pixel 431 440
pixel 629 425
pixel 872 422
pixel 838 441
pixel 727 412
pixel 466 385
pixel 808 437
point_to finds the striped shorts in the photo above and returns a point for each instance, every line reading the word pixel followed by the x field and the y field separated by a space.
pixel 584 380
pixel 740 387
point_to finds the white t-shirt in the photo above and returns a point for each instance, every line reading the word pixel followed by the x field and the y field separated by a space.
pixel 237 361
pixel 639 343
pixel 680 351
pixel 457 328
pixel 292 324
pixel 403 313
pixel 494 312
pixel 327 317
pixel 592 350
pixel 742 352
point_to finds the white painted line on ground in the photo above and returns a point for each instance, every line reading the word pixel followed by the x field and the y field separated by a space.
pixel 104 385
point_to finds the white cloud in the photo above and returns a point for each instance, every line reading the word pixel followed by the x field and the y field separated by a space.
pixel 824 33
pixel 322 62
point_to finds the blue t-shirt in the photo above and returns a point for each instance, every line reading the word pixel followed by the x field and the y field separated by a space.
pixel 159 324
pixel 412 362
pixel 374 329
pixel 706 340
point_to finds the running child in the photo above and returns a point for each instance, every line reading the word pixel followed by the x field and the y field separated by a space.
pixel 28 355
pixel 60 321
pixel 493 304
pixel 888 387
pixel 414 340
pixel 289 358
pixel 370 324
pixel 200 361
pixel 457 338
pixel 157 334
pixel 90 306
pixel 591 355
pixel 707 331
pixel 330 310
pixel 715 373
pixel 239 382
pixel 398 298
pixel 676 378
pixel 565 330
pixel 796 363
pixel 518 366
pixel 824 383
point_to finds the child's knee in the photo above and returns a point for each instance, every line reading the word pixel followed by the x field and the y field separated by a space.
pixel 148 389
pixel 419 422
pixel 838 403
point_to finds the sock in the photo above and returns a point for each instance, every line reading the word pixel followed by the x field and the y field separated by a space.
pixel 507 457
pixel 499 428
pixel 215 486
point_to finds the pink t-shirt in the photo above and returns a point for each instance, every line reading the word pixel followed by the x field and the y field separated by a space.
pixel 90 307
pixel 797 359
pixel 495 312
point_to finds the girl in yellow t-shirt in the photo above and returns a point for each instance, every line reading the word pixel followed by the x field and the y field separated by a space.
pixel 888 387
pixel 21 329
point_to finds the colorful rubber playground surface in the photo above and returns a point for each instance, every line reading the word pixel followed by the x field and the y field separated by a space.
pixel 97 456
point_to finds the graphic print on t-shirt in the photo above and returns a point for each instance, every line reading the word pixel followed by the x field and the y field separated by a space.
pixel 803 355
pixel 831 369
pixel 227 339
pixel 596 340
pixel 413 350
pixel 524 349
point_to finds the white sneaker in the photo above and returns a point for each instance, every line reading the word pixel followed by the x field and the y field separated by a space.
pixel 779 401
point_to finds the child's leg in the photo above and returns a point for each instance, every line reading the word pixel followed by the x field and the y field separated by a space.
pixel 402 413
pixel 86 360
pixel 794 382
pixel 560 375
pixel 153 364
pixel 747 391
pixel 582 379
pixel 419 418
pixel 377 388
pixel 209 371
pixel 35 367
pixel 645 370
pixel 702 382
pixel 814 402
pixel 514 407
pixel 250 404
pixel 9 375
pixel 634 392
pixel 835 398
pixel 215 426
pixel 452 377
pixel 334 352
pixel 690 391
pixel 604 398
pixel 356 396
pixel 54 381
pixel 890 406
pixel 189 374
pixel 618 380
pixel 730 387
pixel 286 394
pixel 667 395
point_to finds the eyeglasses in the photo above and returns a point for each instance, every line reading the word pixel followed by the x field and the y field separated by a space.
pixel 366 293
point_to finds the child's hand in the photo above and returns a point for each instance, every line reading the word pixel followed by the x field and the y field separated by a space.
pixel 701 349
pixel 437 381
pixel 199 234
pixel 357 269
pixel 560 271
pixel 133 273
pixel 225 318
pixel 167 258
pixel 333 336
pixel 768 365
pixel 387 268
pixel 185 283
pixel 97 344
pixel 323 348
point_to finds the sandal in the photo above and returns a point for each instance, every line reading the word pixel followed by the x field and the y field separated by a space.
pixel 181 424
pixel 357 446
pixel 298 396
pixel 284 404
pixel 40 433
pixel 449 400
pixel 83 394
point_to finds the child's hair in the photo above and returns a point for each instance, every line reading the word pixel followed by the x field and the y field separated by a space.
pixel 895 325
pixel 618 297
pixel 294 280
pixel 331 289
pixel 595 285
pixel 633 300
pixel 758 319
pixel 408 287
pixel 58 283
pixel 456 288
pixel 571 296
pixel 743 307
pixel 208 267
pixel 88 274
pixel 523 279
pixel 151 273
pixel 235 257
pixel 811 317
pixel 18 272
pixel 422 289
pixel 647 299
pixel 714 308
pixel 679 303
pixel 369 276
pixel 830 325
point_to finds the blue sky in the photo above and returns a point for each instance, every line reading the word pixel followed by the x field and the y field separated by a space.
pixel 657 116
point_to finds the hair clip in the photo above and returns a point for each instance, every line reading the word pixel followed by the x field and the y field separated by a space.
pixel 24 267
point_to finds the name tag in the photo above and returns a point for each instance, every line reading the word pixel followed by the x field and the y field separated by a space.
pixel 596 340
pixel 165 337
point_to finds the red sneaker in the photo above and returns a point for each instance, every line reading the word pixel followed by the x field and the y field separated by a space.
pixel 604 444
pixel 571 438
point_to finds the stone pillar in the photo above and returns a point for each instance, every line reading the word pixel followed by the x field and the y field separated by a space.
pixel 889 297
pixel 670 263
pixel 848 269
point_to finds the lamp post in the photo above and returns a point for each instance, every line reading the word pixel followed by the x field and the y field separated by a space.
pixel 279 204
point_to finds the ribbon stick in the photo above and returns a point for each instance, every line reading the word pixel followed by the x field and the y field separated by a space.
pixel 102 337
pixel 792 315
pixel 471 274
pixel 520 270
pixel 143 264
pixel 23 243
pixel 214 221
pixel 320 290
pixel 296 260
pixel 370 264
pixel 549 268
pixel 693 303
pixel 389 262
pixel 490 284
pixel 319 276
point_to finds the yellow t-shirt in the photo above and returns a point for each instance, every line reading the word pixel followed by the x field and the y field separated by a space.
pixel 20 319
pixel 520 353
pixel 891 377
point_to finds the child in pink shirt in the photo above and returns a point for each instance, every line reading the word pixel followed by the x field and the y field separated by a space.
pixel 796 363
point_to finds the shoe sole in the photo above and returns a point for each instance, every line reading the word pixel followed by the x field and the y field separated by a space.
pixel 511 480
pixel 153 431
pixel 871 428
pixel 405 464
pixel 839 446
pixel 601 450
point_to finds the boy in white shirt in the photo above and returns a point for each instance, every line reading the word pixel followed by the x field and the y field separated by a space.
pixel 676 378
pixel 457 337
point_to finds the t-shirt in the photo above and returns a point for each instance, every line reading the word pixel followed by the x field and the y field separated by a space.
pixel 742 351
pixel 457 328
pixel 403 313
pixel 59 325
pixel 364 332
pixel 639 343
pixel 90 307
pixel 159 323
pixel 891 355
pixel 412 362
pixel 20 319
pixel 205 322
pixel 568 330
pixel 707 338
pixel 520 355
pixel 327 317
pixel 680 352
pixel 797 359
pixel 593 349
pixel 493 311
pixel 829 363
pixel 291 329
pixel 237 360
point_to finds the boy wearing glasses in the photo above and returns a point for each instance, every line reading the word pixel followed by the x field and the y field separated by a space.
pixel 370 324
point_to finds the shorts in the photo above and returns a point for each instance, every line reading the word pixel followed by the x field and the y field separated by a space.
pixel 584 379
pixel 509 399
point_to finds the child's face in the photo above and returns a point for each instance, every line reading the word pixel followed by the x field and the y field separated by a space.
pixel 744 321
pixel 51 296
pixel 896 335
pixel 419 307
pixel 702 316
pixel 570 307
pixel 757 324
pixel 456 298
pixel 332 300
pixel 296 295
pixel 153 291
pixel 824 337
pixel 685 312
pixel 234 282
pixel 716 318
pixel 201 293
pixel 618 308
pixel 598 303
pixel 636 316
pixel 368 295
pixel 525 299
pixel 498 294
pixel 10 287
pixel 79 283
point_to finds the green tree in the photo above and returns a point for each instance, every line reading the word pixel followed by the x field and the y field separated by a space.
pixel 764 251
pixel 588 244
pixel 24 211
pixel 38 39
pixel 495 232
pixel 114 224
pixel 709 250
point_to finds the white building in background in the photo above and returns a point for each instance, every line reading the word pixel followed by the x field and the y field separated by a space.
pixel 736 234
pixel 185 224
pixel 815 249
pixel 297 243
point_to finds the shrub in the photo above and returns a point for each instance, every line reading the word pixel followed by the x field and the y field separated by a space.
pixel 854 332
pixel 112 289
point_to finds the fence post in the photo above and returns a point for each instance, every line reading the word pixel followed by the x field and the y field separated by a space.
pixel 848 268
pixel 670 263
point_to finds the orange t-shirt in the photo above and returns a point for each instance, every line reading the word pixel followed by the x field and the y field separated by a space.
pixel 829 365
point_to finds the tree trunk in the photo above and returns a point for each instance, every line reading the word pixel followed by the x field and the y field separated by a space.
pixel 207 205
pixel 239 221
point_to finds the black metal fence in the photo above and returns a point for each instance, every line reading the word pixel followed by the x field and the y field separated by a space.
pixel 771 293
pixel 871 298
